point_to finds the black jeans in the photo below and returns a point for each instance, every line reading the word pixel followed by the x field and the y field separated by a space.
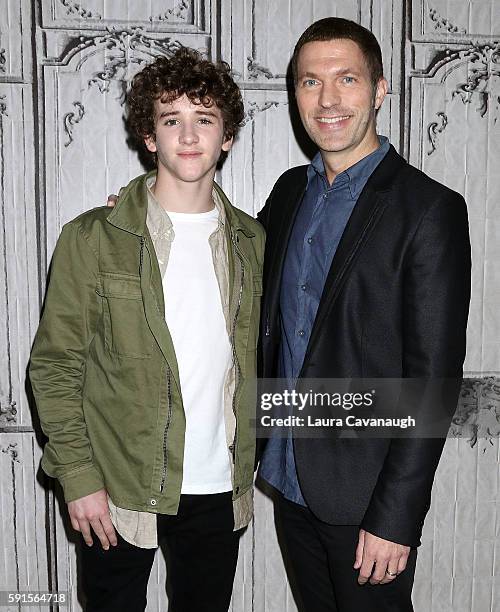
pixel 203 551
pixel 322 558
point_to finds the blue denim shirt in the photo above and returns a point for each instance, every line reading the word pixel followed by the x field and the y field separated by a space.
pixel 318 228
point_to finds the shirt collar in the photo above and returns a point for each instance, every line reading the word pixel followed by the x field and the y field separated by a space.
pixel 159 222
pixel 356 176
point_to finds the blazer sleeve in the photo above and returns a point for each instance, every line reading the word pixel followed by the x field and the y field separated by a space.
pixel 263 214
pixel 58 358
pixel 436 295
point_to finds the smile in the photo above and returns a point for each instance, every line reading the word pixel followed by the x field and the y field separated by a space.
pixel 332 119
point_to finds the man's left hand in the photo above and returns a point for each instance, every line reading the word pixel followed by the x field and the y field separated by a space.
pixel 388 558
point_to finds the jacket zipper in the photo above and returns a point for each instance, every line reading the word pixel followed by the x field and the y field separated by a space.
pixel 233 446
pixel 169 394
pixel 165 431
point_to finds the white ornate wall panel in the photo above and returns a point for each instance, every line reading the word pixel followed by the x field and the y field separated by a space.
pixel 15 41
pixel 23 508
pixel 454 88
pixel 64 68
pixel 165 15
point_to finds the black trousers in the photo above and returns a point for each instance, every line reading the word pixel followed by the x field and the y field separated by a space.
pixel 203 551
pixel 322 556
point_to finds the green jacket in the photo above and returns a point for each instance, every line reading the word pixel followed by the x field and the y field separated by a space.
pixel 103 367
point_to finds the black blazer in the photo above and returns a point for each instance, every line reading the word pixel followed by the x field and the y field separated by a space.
pixel 395 304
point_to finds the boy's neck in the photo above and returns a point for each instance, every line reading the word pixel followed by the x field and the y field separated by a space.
pixel 174 195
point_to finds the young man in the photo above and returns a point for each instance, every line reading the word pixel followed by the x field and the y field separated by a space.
pixel 143 366
pixel 367 275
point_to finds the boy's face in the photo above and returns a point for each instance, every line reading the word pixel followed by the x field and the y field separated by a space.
pixel 188 139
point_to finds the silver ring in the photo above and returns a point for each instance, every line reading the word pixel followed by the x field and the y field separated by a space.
pixel 390 573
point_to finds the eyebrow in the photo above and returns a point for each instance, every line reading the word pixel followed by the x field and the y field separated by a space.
pixel 340 72
pixel 197 112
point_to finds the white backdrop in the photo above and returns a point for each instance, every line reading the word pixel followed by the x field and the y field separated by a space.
pixel 64 66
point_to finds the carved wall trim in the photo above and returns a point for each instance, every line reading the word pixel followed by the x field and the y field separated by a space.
pixel 122 41
pixel 71 119
pixel 187 15
pixel 75 9
pixel 254 108
pixel 179 11
pixel 436 21
pixel 478 413
pixel 441 23
pixel 483 70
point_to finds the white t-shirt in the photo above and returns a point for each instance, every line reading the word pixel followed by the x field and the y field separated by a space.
pixel 195 318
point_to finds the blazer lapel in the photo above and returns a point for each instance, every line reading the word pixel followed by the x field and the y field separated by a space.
pixel 365 215
pixel 285 217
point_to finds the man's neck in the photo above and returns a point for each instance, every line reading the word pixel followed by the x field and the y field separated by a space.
pixel 337 162
pixel 174 195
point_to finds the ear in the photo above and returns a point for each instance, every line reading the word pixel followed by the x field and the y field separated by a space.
pixel 380 92
pixel 150 143
pixel 227 144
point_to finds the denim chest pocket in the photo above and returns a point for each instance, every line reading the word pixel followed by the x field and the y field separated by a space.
pixel 126 332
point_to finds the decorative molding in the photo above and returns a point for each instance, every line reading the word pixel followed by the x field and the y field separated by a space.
pixel 71 119
pixel 483 63
pixel 121 41
pixel 478 412
pixel 434 129
pixel 3 60
pixel 441 23
pixel 255 70
pixel 120 60
pixel 122 49
pixel 3 107
pixel 479 78
pixel 73 8
pixel 8 414
pixel 179 11
pixel 12 451
pixel 254 108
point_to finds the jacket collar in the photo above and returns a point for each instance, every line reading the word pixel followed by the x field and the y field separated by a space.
pixel 130 211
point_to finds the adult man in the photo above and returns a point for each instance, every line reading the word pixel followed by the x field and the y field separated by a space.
pixel 367 274
pixel 143 363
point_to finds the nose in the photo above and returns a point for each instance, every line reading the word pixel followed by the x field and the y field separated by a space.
pixel 188 134
pixel 329 95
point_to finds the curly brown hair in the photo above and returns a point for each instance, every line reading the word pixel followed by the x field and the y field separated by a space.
pixel 185 72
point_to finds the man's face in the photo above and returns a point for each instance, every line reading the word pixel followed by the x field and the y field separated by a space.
pixel 188 139
pixel 336 98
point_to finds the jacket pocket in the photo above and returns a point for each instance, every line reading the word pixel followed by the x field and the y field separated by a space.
pixel 255 312
pixel 257 285
pixel 126 332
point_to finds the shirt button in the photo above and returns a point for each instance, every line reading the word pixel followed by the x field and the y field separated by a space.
pixel 309 240
pixel 152 502
pixel 303 287
pixel 301 332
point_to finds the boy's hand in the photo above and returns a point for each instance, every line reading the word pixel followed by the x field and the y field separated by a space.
pixel 93 511
pixel 112 200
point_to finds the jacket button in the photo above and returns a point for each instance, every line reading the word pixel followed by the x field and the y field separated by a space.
pixel 153 502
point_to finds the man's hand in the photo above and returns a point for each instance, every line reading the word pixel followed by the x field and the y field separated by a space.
pixel 112 200
pixel 93 511
pixel 388 557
